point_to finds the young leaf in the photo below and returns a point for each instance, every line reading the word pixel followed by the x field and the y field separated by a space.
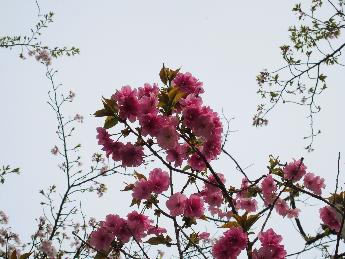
pixel 158 240
pixel 110 122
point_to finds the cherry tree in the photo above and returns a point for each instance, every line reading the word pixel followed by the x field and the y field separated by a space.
pixel 164 139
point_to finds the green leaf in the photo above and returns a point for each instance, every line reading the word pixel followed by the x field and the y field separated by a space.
pixel 273 94
pixel 103 113
pixel 110 105
pixel 163 75
pixel 245 221
pixel 186 168
pixel 167 75
pixel 110 122
pixel 163 99
pixel 159 240
pixel 175 94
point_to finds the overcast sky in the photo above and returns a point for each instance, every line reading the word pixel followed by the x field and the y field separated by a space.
pixel 223 43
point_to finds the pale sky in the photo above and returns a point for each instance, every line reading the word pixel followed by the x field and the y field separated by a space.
pixel 223 43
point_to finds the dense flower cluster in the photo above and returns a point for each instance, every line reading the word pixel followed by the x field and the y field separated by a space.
pixel 129 154
pixel 179 204
pixel 115 228
pixel 212 195
pixel 314 183
pixel 158 182
pixel 173 120
pixel 167 129
pixel 295 170
pixel 270 246
pixel 230 245
pixel 329 216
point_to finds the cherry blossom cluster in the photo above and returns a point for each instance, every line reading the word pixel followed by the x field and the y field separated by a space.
pixel 158 182
pixel 173 120
pixel 330 217
pixel 115 228
pixel 230 244
pixel 129 154
pixel 293 171
pixel 185 115
pixel 271 246
pixel 179 204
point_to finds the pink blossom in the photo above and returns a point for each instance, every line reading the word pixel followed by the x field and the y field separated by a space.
pixel 156 231
pixel 159 180
pixel 270 252
pixel 150 124
pixel 269 238
pixel 203 235
pixel 269 188
pixel 177 154
pixel 176 204
pixel 247 204
pixel 203 121
pixel 196 162
pixel 112 223
pixel 293 213
pixel 122 231
pixel 268 185
pixel 101 239
pixel 212 148
pixel 116 150
pixel 188 84
pixel 204 126
pixel 218 128
pixel 244 192
pixel 104 140
pixel 132 155
pixel 191 115
pixel 214 198
pixel 329 217
pixel 230 245
pixel 194 207
pixel 142 190
pixel 270 246
pixel 148 90
pixel 148 104
pixel 281 207
pixel 128 103
pixel 226 214
pixel 294 170
pixel 314 183
pixel 167 137
pixel 213 187
pixel 138 224
pixel 214 210
pixel 191 100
